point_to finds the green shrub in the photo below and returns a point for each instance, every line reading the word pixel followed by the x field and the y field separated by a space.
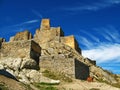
pixel 45 86
pixel 116 85
pixel 94 89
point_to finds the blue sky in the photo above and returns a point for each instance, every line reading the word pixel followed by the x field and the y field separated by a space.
pixel 95 24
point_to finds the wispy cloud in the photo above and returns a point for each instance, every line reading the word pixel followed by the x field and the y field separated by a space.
pixel 8 31
pixel 103 53
pixel 90 35
pixel 94 6
pixel 109 33
pixel 37 13
pixel 84 41
pixel 24 23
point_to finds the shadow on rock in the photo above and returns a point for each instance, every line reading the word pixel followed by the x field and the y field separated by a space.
pixel 7 74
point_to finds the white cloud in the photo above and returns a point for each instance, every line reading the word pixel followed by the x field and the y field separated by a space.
pixel 109 33
pixel 18 27
pixel 84 41
pixel 93 37
pixel 94 6
pixel 24 23
pixel 103 53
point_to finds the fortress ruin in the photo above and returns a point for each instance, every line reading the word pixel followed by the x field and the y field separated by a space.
pixel 55 51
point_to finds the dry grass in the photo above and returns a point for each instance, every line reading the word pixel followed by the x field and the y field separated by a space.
pixel 56 76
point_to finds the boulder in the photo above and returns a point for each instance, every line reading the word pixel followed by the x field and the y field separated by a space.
pixel 29 64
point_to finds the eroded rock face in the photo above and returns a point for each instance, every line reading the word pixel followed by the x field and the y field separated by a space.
pixel 24 69
pixel 100 74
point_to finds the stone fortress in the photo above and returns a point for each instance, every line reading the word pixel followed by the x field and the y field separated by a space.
pixel 48 49
pixel 41 49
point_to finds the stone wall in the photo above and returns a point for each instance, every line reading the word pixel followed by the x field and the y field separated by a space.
pixel 25 35
pixel 20 49
pixel 70 41
pixel 70 67
pixel 58 64
pixel 44 36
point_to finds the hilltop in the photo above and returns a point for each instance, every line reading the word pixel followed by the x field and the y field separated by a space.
pixel 50 57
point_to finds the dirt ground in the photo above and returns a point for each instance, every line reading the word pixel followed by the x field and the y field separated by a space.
pixel 84 85
pixel 11 84
pixel 75 85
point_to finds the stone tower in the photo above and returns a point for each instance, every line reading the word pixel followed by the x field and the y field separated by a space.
pixel 45 24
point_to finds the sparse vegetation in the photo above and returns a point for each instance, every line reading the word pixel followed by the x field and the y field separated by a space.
pixel 45 86
pixel 3 87
pixel 56 76
pixel 94 89
pixel 103 81
pixel 27 87
pixel 116 85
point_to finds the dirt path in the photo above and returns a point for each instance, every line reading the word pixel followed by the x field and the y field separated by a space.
pixel 84 85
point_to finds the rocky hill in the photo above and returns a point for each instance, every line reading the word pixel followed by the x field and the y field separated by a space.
pixel 48 57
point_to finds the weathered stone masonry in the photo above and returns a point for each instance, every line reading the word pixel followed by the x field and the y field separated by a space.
pixel 22 49
pixel 46 34
pixel 60 59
